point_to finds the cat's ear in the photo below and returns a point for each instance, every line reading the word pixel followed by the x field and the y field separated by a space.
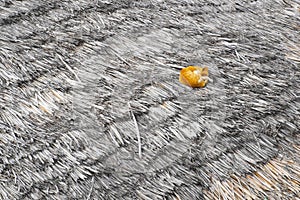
pixel 204 71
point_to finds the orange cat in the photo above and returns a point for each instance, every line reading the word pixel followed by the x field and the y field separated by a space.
pixel 194 76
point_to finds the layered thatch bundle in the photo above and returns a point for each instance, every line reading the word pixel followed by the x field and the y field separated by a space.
pixel 91 105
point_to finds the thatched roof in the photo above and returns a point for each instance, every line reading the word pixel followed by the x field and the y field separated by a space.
pixel 91 105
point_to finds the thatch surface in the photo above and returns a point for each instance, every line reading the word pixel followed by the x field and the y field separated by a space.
pixel 91 105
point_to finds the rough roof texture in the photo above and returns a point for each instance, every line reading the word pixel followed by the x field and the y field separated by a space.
pixel 91 105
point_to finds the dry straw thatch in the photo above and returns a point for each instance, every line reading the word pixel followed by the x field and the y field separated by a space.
pixel 91 105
